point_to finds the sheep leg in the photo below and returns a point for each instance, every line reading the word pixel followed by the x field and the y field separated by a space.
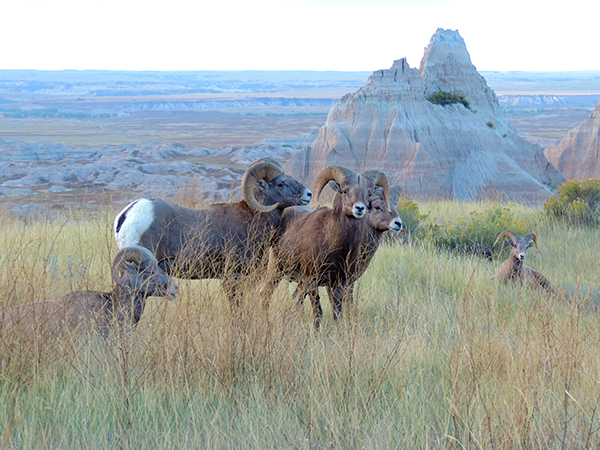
pixel 271 279
pixel 230 285
pixel 336 296
pixel 302 291
pixel 315 301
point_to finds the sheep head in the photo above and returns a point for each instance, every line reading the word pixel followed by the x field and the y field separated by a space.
pixel 519 244
pixel 353 195
pixel 265 180
pixel 380 218
pixel 136 269
pixel 377 185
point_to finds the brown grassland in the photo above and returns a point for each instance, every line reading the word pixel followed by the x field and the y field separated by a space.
pixel 210 129
pixel 432 354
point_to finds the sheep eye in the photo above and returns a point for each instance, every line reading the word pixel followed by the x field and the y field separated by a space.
pixel 282 184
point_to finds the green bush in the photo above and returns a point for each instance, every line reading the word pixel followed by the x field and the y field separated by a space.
pixel 475 234
pixel 447 98
pixel 576 203
pixel 408 211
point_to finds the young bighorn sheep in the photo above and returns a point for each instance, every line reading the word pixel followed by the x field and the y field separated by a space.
pixel 136 275
pixel 322 247
pixel 513 268
pixel 223 240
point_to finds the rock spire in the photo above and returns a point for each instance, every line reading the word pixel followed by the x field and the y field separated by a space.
pixel 462 150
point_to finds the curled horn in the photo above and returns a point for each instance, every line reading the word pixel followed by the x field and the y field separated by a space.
pixel 336 173
pixel 135 254
pixel 265 169
pixel 507 233
pixel 395 194
pixel 267 159
pixel 531 237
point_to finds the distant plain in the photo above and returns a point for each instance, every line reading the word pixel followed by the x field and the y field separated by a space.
pixel 217 129
pixel 212 129
pixel 220 109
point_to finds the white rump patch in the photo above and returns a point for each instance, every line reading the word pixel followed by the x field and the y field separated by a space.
pixel 132 222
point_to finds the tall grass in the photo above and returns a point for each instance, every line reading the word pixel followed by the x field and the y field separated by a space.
pixel 432 354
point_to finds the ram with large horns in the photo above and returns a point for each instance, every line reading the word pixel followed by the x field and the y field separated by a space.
pixel 323 247
pixel 226 241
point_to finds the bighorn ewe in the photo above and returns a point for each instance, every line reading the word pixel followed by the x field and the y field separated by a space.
pixel 137 276
pixel 513 268
pixel 222 240
pixel 323 247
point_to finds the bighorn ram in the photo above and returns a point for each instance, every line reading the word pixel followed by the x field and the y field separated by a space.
pixel 137 276
pixel 380 220
pixel 222 240
pixel 323 247
pixel 513 268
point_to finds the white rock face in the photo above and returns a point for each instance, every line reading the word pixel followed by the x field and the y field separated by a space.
pixel 577 155
pixel 431 151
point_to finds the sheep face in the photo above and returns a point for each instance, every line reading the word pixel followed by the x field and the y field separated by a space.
pixel 144 277
pixel 520 249
pixel 266 187
pixel 354 198
pixel 284 190
pixel 381 219
pixel 519 244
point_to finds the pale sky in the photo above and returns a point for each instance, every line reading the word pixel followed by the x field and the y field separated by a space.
pixel 365 35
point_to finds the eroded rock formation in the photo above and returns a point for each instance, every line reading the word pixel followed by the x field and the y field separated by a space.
pixel 432 151
pixel 577 154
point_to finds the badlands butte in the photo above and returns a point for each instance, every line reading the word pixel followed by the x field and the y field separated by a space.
pixel 465 149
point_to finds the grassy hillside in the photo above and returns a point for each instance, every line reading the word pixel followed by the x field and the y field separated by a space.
pixel 433 354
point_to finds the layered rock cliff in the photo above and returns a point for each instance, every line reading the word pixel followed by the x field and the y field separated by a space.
pixel 432 151
pixel 577 155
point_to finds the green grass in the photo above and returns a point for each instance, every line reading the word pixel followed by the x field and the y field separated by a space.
pixel 432 354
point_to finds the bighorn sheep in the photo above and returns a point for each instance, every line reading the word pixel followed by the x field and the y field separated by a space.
pixel 323 247
pixel 380 219
pixel 513 268
pixel 136 275
pixel 222 240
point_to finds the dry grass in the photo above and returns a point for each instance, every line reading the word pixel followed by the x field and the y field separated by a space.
pixel 431 355
pixel 210 129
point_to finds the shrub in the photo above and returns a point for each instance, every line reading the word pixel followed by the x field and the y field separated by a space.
pixel 575 203
pixel 475 234
pixel 447 98
pixel 408 211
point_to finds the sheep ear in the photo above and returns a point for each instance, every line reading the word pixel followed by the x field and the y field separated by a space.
pixel 123 272
pixel 334 185
pixel 262 185
pixel 377 191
